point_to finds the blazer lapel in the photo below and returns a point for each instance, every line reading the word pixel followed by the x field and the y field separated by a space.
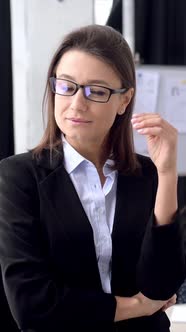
pixel 60 193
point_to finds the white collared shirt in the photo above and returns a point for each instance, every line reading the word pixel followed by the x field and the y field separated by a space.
pixel 98 202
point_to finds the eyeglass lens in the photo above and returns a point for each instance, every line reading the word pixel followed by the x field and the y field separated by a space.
pixel 92 92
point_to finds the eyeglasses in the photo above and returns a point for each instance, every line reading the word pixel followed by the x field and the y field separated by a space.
pixel 97 93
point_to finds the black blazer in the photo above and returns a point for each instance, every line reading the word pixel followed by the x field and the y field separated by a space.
pixel 47 252
pixel 7 323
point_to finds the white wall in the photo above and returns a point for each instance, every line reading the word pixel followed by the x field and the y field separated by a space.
pixel 37 29
pixel 102 10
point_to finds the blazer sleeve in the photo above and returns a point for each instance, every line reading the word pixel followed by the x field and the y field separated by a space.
pixel 35 300
pixel 162 265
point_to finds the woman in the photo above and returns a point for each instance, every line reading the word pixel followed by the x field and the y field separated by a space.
pixel 89 231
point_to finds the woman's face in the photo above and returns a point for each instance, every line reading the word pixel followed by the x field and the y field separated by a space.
pixel 81 120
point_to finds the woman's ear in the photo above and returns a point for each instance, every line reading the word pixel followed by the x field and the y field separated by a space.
pixel 126 98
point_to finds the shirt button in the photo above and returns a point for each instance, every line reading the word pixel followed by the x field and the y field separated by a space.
pixel 101 210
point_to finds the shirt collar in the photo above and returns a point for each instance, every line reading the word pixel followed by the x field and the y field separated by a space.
pixel 72 159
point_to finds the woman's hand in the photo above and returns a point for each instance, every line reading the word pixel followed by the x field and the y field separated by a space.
pixel 139 305
pixel 149 306
pixel 161 140
pixel 170 302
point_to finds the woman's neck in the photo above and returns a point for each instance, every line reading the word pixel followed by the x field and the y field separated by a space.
pixel 91 152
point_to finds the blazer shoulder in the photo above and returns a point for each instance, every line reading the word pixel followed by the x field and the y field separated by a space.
pixel 17 164
pixel 30 168
pixel 18 171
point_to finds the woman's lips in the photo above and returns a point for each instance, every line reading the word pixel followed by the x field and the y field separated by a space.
pixel 78 120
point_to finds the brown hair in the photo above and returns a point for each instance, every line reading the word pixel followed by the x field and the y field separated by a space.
pixel 109 45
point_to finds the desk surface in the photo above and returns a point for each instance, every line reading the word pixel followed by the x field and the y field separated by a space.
pixel 177 316
pixel 178 327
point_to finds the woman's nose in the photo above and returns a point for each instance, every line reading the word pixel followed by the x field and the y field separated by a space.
pixel 79 101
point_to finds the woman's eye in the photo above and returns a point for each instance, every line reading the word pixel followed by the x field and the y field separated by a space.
pixel 97 92
pixel 69 88
pixel 64 88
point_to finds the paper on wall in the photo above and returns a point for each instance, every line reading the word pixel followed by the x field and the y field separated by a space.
pixel 147 88
pixel 175 103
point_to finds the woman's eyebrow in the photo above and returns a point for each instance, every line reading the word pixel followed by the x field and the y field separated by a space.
pixel 66 76
pixel 91 81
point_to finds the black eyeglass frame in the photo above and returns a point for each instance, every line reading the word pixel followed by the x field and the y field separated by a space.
pixel 82 86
